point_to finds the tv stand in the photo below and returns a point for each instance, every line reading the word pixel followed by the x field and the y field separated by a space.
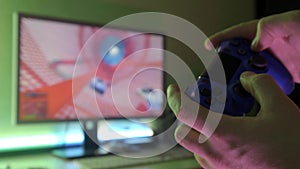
pixel 88 149
pixel 113 144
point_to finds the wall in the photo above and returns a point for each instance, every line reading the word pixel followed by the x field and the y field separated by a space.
pixel 210 16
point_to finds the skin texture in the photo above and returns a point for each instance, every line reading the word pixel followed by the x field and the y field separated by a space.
pixel 272 138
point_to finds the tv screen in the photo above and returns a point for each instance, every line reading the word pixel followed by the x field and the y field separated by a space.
pixel 69 70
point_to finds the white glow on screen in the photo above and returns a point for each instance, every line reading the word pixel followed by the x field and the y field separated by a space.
pixel 123 129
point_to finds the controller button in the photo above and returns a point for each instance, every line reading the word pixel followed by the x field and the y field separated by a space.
pixel 242 51
pixel 205 92
pixel 235 43
pixel 258 62
pixel 240 91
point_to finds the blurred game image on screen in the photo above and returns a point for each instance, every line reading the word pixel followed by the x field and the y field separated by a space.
pixel 50 50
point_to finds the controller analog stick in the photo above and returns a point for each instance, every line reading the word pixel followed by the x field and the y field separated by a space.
pixel 240 91
pixel 242 52
pixel 258 62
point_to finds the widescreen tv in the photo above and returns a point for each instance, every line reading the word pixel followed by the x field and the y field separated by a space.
pixel 70 70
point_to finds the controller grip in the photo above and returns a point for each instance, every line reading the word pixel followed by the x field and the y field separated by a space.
pixel 237 57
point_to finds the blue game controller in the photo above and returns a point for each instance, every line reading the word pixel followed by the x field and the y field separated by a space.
pixel 237 57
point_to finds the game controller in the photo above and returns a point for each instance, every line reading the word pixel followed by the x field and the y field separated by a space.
pixel 237 57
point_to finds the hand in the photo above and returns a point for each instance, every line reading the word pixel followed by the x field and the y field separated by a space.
pixel 279 33
pixel 269 140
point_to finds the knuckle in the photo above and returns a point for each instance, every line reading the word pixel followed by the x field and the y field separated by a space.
pixel 261 79
pixel 181 114
pixel 262 22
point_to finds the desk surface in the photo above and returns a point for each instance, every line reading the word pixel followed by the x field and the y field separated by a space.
pixel 48 161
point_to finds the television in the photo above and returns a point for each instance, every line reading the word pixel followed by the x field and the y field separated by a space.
pixel 71 70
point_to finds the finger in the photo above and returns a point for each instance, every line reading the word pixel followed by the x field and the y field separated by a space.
pixel 263 88
pixel 173 97
pixel 245 30
pixel 198 117
pixel 263 38
pixel 268 30
pixel 186 110
pixel 188 138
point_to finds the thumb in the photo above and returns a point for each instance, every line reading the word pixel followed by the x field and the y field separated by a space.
pixel 263 88
pixel 173 97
